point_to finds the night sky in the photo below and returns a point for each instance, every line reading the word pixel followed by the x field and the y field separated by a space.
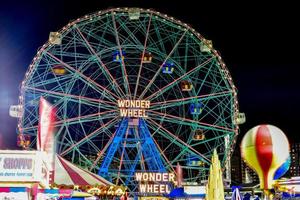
pixel 258 42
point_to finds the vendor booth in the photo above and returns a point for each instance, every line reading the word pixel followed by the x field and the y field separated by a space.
pixel 25 175
pixel 21 172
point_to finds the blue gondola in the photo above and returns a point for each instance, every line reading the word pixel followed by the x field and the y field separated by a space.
pixel 193 160
pixel 168 68
pixel 117 56
pixel 196 108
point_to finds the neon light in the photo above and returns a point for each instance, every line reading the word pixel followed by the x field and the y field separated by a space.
pixel 146 182
pixel 133 108
pixel 156 177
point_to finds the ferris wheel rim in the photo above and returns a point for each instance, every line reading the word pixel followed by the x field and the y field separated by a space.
pixel 186 29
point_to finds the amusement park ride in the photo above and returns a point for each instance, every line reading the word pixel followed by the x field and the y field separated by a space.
pixel 135 91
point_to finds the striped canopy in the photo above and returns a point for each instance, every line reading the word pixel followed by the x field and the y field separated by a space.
pixel 265 148
pixel 67 173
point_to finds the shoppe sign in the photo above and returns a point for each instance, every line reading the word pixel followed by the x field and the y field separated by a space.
pixel 23 166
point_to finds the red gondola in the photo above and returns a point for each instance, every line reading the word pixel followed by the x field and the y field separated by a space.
pixel 168 68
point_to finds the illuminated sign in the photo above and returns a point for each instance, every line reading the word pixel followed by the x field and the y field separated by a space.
pixel 17 163
pixel 25 166
pixel 107 190
pixel 155 183
pixel 13 167
pixel 133 108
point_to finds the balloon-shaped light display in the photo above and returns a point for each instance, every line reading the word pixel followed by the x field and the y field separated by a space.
pixel 283 168
pixel 265 148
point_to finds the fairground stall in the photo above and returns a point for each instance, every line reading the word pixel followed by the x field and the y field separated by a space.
pixel 22 172
pixel 25 175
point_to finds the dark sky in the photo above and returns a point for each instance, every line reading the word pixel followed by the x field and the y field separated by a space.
pixel 258 42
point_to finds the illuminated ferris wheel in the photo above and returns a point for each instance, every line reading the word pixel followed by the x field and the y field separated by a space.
pixel 135 90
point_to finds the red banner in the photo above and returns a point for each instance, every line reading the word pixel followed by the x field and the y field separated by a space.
pixel 46 132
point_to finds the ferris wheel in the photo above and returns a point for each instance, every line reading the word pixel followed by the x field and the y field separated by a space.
pixel 134 90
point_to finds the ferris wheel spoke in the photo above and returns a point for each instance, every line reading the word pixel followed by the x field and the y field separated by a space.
pixel 208 140
pixel 159 70
pixel 123 67
pixel 96 32
pixel 157 30
pixel 178 120
pixel 82 118
pixel 170 144
pixel 86 79
pixel 90 142
pixel 143 54
pixel 103 67
pixel 101 152
pixel 183 101
pixel 31 119
pixel 217 84
pixel 174 82
pixel 55 79
pixel 163 155
pixel 176 159
pixel 88 100
pixel 203 81
pixel 170 136
pixel 107 125
pixel 130 35
pixel 80 155
pixel 65 140
pixel 70 141
pixel 83 156
pixel 62 133
pixel 87 118
pixel 217 116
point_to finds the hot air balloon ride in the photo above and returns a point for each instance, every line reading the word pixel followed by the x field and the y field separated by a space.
pixel 265 148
